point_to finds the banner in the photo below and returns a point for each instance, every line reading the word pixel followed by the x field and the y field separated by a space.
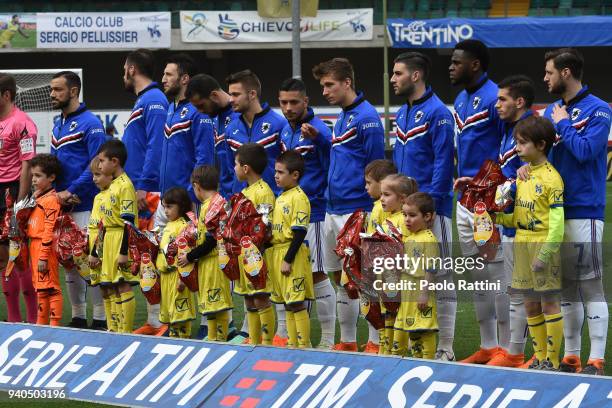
pixel 283 8
pixel 518 32
pixel 17 31
pixel 248 26
pixel 104 30
pixel 131 370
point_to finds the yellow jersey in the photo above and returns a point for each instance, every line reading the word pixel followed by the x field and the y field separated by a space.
pixel 397 219
pixel 377 216
pixel 535 197
pixel 422 248
pixel 95 218
pixel 291 211
pixel 9 32
pixel 171 231
pixel 260 194
pixel 119 203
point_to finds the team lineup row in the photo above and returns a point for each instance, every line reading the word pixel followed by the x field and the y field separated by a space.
pixel 209 125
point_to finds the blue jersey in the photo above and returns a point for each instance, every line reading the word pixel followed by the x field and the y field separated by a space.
pixel 143 138
pixel 508 159
pixel 478 136
pixel 358 139
pixel 188 143
pixel 265 130
pixel 75 141
pixel 224 156
pixel 580 154
pixel 316 161
pixel 424 148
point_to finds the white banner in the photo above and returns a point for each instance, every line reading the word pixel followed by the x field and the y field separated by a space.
pixel 103 30
pixel 248 26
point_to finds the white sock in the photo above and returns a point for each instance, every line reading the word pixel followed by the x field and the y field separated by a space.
pixel 502 303
pixel 484 304
pixel 446 302
pixel 98 303
pixel 281 320
pixel 203 321
pixel 597 316
pixel 245 321
pixel 573 319
pixel 348 313
pixel 518 325
pixel 153 315
pixel 326 310
pixel 77 290
pixel 373 334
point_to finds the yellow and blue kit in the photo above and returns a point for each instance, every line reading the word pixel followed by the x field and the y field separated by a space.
pixel 538 219
pixel 92 231
pixel 290 217
pixel 118 205
pixel 260 194
pixel 175 306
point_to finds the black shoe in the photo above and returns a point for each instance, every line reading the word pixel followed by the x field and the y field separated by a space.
pixel 535 364
pixel 591 369
pixel 566 368
pixel 546 365
pixel 98 325
pixel 78 323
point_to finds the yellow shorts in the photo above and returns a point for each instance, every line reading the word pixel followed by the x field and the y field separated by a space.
pixel 94 276
pixel 410 318
pixel 244 287
pixel 527 246
pixel 214 294
pixel 110 272
pixel 298 286
pixel 175 306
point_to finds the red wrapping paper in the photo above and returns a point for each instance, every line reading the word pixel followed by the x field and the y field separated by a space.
pixel 18 224
pixel 348 244
pixel 68 238
pixel 216 216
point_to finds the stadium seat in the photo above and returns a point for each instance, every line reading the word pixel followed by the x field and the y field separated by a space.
pixel 436 14
pixel 394 9
pixel 476 13
pixel 482 4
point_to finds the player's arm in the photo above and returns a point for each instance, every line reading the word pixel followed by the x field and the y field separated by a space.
pixel 373 135
pixel 323 143
pixel 203 144
pixel 155 119
pixel 299 227
pixel 94 138
pixel 589 143
pixel 554 238
pixel 442 127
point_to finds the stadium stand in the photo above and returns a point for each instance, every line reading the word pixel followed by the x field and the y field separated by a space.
pixel 420 9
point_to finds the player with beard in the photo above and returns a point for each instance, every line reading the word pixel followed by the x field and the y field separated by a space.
pixel 17 146
pixel 424 151
pixel 257 123
pixel 77 136
pixel 582 123
pixel 478 139
pixel 206 95
pixel 358 139
pixel 143 138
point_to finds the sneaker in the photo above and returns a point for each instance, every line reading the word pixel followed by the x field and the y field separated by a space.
pixel 535 364
pixel 343 346
pixel 371 348
pixel 505 359
pixel 146 329
pixel 78 323
pixel 202 332
pixel 482 356
pixel 279 341
pixel 233 332
pixel 161 330
pixel 529 363
pixel 324 346
pixel 570 364
pixel 98 325
pixel 546 365
pixel 238 339
pixel 594 367
pixel 444 355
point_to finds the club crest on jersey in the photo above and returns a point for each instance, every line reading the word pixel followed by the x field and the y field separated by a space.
pixel 73 126
pixel 476 102
pixel 575 113
pixel 350 119
pixel 228 120
pixel 418 116
pixel 538 189
pixel 265 127
pixel 184 112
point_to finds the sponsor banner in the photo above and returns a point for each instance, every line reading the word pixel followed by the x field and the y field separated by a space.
pixel 117 369
pixel 132 370
pixel 523 32
pixel 17 31
pixel 248 26
pixel 104 30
